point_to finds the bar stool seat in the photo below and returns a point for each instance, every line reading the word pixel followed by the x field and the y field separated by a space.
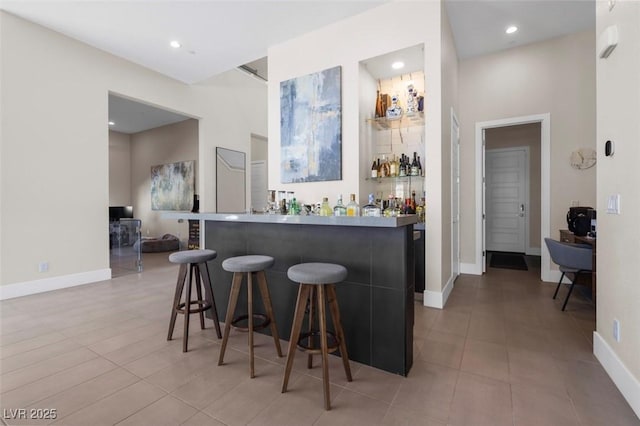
pixel 196 262
pixel 249 263
pixel 252 266
pixel 317 287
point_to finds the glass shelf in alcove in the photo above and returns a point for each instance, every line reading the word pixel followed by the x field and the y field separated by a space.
pixel 406 120
pixel 390 178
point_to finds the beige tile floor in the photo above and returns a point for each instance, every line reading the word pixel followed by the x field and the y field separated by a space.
pixel 501 352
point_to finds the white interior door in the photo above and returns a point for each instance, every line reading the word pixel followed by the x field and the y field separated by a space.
pixel 455 196
pixel 506 199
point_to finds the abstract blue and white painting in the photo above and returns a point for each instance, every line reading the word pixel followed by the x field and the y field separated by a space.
pixel 173 186
pixel 311 127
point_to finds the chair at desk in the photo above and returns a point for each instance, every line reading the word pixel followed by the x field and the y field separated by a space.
pixel 573 259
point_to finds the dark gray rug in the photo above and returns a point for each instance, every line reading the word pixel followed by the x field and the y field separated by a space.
pixel 508 261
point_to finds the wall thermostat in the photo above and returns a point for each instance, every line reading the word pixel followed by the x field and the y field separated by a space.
pixel 608 148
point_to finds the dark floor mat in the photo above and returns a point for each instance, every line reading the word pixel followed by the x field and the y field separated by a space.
pixel 508 261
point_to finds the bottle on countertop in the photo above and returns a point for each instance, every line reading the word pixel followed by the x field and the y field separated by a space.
pixel 371 209
pixel 390 211
pixel 339 209
pixel 353 209
pixel 294 208
pixel 325 209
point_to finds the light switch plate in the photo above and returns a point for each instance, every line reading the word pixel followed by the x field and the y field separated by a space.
pixel 613 204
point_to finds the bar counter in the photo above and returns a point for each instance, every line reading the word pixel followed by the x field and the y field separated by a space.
pixel 377 298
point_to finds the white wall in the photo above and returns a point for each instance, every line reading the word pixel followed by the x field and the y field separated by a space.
pixel 52 165
pixel 162 145
pixel 556 77
pixel 450 99
pixel 346 43
pixel 618 293
pixel 119 169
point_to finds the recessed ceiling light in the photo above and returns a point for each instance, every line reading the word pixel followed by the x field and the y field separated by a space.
pixel 111 123
pixel 397 65
pixel 512 29
pixel 175 44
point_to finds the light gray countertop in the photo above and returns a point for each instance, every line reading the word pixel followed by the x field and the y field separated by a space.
pixel 376 222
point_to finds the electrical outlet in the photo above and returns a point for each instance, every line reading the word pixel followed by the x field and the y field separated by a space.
pixel 43 267
pixel 616 330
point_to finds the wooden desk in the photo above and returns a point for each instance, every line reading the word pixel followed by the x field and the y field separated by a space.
pixel 567 236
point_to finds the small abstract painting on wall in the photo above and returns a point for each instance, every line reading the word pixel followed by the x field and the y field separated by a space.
pixel 311 127
pixel 173 186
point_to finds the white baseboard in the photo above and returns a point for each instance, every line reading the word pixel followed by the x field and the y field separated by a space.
pixel 435 299
pixel 26 288
pixel 470 268
pixel 627 384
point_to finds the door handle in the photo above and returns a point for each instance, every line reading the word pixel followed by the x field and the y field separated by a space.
pixel 521 210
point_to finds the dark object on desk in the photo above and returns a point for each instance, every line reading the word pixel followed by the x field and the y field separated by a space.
pixel 579 220
pixel 508 261
pixel 573 259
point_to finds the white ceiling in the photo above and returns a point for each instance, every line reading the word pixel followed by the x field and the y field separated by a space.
pixel 132 116
pixel 479 26
pixel 218 35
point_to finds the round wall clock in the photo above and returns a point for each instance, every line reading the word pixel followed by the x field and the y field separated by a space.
pixel 583 158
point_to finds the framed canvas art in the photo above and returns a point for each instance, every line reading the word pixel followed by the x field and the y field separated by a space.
pixel 173 186
pixel 311 127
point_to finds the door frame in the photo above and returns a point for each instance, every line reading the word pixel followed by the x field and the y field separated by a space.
pixel 545 185
pixel 527 179
pixel 455 180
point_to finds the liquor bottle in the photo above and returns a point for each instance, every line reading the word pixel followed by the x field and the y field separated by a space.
pixel 384 167
pixel 374 170
pixel 294 208
pixel 339 209
pixel 408 209
pixel 353 209
pixel 325 209
pixel 414 165
pixel 403 167
pixel 371 209
pixel 413 200
pixel 397 211
pixel 393 167
pixel 392 209
pixel 420 170
pixel 420 213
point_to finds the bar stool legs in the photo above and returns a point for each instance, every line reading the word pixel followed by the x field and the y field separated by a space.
pixel 185 308
pixel 317 295
pixel 269 320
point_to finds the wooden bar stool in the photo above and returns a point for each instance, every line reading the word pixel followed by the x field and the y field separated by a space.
pixel 252 265
pixel 196 261
pixel 317 279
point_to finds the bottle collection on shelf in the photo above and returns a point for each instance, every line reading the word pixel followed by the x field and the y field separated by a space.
pixel 397 167
pixel 393 207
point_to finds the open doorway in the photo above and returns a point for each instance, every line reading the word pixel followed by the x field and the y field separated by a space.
pixel 513 190
pixel 512 196
pixel 142 136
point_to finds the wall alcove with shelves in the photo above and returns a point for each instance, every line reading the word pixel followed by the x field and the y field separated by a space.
pixel 387 136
